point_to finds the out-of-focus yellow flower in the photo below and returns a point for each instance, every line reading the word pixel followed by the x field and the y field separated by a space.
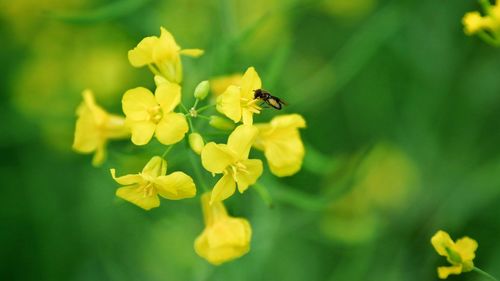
pixel 162 54
pixel 474 22
pixel 232 161
pixel 142 189
pixel 94 127
pixel 224 238
pixel 238 102
pixel 219 84
pixel 460 254
pixel 149 114
pixel 280 140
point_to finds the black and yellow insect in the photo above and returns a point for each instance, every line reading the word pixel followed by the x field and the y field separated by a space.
pixel 269 99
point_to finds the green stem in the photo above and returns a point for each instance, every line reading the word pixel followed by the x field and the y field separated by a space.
pixel 190 123
pixel 205 107
pixel 264 194
pixel 488 38
pixel 197 173
pixel 486 5
pixel 167 150
pixel 196 103
pixel 154 70
pixel 485 274
pixel 184 108
pixel 203 117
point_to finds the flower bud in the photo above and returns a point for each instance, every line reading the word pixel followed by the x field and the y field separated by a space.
pixel 221 123
pixel 196 142
pixel 201 90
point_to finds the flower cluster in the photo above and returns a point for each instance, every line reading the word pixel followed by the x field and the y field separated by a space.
pixel 162 114
pixel 487 27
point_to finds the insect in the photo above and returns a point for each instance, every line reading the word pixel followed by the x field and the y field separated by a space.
pixel 269 99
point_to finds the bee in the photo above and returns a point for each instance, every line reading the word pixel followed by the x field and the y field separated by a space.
pixel 269 99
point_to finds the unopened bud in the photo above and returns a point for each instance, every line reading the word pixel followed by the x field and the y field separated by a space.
pixel 196 142
pixel 201 90
pixel 221 123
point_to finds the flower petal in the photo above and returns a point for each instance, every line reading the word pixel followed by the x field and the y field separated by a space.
pixel 136 103
pixel 466 247
pixel 156 166
pixel 241 140
pixel 142 131
pixel 250 82
pixel 444 271
pixel 127 179
pixel 216 157
pixel 172 128
pixel 168 96
pixel 229 104
pixel 192 52
pixel 223 189
pixel 250 176
pixel 175 186
pixel 441 240
pixel 166 49
pixel 289 121
pixel 135 195
pixel 285 156
pixel 143 53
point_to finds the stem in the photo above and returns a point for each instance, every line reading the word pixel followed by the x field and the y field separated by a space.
pixel 488 38
pixel 264 194
pixel 190 123
pixel 196 103
pixel 154 70
pixel 486 5
pixel 205 107
pixel 184 108
pixel 203 117
pixel 485 274
pixel 167 150
pixel 197 173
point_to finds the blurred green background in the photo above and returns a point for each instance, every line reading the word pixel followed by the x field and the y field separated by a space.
pixel 403 139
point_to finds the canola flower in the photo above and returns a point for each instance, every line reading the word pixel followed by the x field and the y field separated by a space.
pixel 280 140
pixel 94 127
pixel 460 254
pixel 224 238
pixel 163 114
pixel 161 55
pixel 149 114
pixel 487 27
pixel 237 102
pixel 142 189
pixel 232 161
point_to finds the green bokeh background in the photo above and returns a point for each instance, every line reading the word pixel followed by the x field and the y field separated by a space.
pixel 403 114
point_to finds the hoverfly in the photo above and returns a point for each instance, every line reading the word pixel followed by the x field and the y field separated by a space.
pixel 269 99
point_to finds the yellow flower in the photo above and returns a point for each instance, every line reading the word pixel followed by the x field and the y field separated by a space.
pixel 238 102
pixel 232 161
pixel 460 254
pixel 162 54
pixel 219 84
pixel 224 238
pixel 142 189
pixel 280 140
pixel 94 127
pixel 148 114
pixel 473 23
pixel 196 142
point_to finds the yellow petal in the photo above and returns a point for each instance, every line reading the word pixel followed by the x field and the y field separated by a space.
pixel 142 131
pixel 241 139
pixel 143 53
pixel 87 135
pixel 136 103
pixel 223 189
pixel 168 96
pixel 250 176
pixel 99 155
pixel 285 156
pixel 216 157
pixel 166 49
pixel 175 186
pixel 127 179
pixel 219 84
pixel 196 142
pixel 135 195
pixel 172 128
pixel 473 23
pixel 247 116
pixel 229 104
pixel 192 52
pixel 115 127
pixel 466 247
pixel 441 240
pixel 212 212
pixel 444 271
pixel 292 121
pixel 156 166
pixel 250 82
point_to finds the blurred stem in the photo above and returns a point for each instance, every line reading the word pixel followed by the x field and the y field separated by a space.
pixel 167 150
pixel 196 168
pixel 203 108
pixel 488 38
pixel 486 5
pixel 484 273
pixel 263 194
pixel 153 69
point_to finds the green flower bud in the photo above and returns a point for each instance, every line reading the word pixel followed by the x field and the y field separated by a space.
pixel 196 142
pixel 221 123
pixel 201 90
